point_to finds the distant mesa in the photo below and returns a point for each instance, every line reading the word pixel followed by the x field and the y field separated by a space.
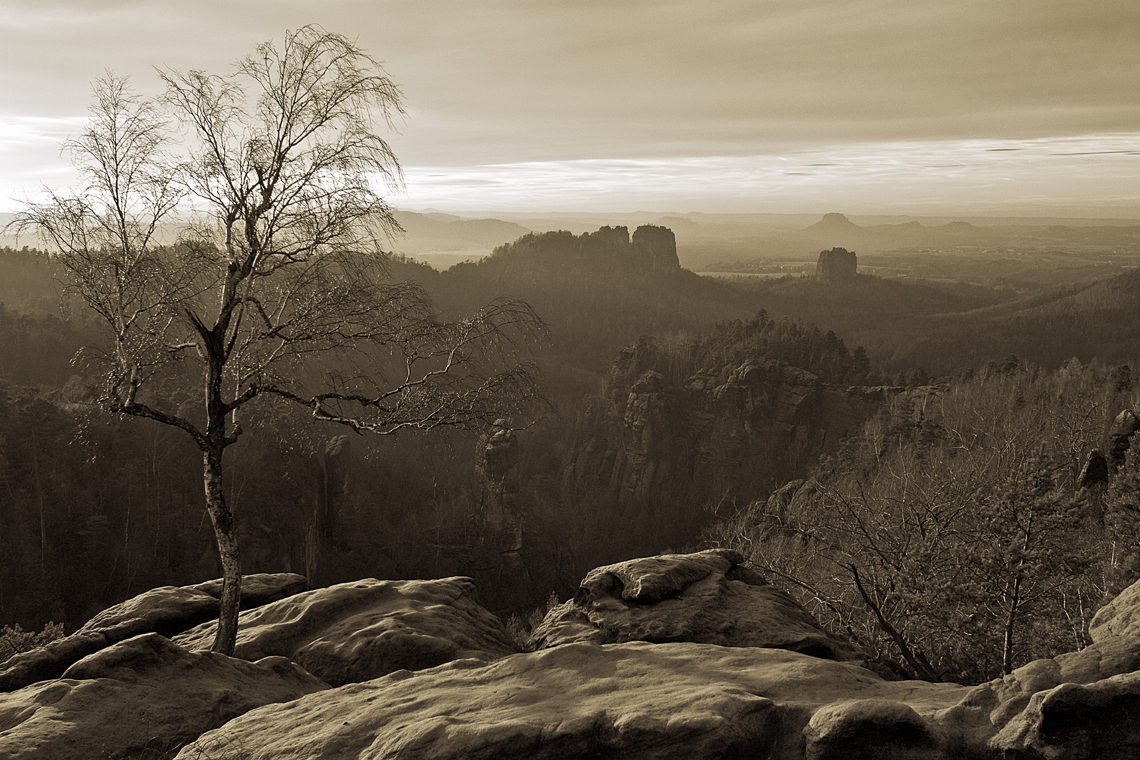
pixel 833 220
pixel 959 226
pixel 836 229
pixel 834 223
pixel 836 264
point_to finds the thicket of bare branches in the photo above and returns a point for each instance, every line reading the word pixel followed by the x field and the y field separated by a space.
pixel 951 536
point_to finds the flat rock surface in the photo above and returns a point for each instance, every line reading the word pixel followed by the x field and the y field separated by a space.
pixel 166 610
pixel 631 701
pixel 142 698
pixel 708 597
pixel 365 629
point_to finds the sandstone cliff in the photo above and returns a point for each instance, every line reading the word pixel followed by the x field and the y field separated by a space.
pixel 737 429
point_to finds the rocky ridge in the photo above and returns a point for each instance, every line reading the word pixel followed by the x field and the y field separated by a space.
pixel 741 427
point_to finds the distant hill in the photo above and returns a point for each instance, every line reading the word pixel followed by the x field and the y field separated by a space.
pixel 435 233
pixel 483 233
pixel 836 230
pixel 1086 321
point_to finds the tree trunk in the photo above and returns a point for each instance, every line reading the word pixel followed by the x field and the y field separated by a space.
pixel 225 531
pixel 1010 621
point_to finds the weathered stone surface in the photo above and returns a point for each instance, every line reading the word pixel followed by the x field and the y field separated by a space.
pixel 870 729
pixel 1120 617
pixel 693 698
pixel 362 630
pixel 1076 721
pixel 141 698
pixel 167 611
pixel 1009 702
pixel 708 597
pixel 632 701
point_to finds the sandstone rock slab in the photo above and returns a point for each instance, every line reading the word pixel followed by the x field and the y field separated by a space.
pixel 166 610
pixel 1077 721
pixel 1120 617
pixel 1115 651
pixel 143 697
pixel 709 597
pixel 365 629
pixel 633 701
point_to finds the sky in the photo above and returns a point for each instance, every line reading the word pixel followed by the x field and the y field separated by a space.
pixel 982 107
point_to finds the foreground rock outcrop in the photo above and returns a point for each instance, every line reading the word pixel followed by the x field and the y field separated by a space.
pixel 632 701
pixel 674 656
pixel 141 698
pixel 707 598
pixel 362 630
pixel 167 610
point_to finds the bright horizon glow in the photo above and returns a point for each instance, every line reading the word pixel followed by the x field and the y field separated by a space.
pixel 986 177
pixel 1006 177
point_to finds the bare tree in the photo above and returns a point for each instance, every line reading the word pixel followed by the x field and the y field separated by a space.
pixel 277 290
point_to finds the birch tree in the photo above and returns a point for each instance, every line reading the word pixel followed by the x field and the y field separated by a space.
pixel 277 289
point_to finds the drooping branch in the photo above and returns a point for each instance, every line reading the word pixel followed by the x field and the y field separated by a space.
pixel 916 660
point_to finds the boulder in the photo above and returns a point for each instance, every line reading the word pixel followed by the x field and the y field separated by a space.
pixel 143 697
pixel 870 729
pixel 365 629
pixel 167 610
pixel 1099 720
pixel 634 701
pixel 708 597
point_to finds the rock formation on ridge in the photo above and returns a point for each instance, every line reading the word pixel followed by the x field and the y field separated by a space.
pixel 609 251
pixel 736 429
pixel 836 264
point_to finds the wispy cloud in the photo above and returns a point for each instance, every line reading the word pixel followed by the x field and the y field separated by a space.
pixel 965 176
